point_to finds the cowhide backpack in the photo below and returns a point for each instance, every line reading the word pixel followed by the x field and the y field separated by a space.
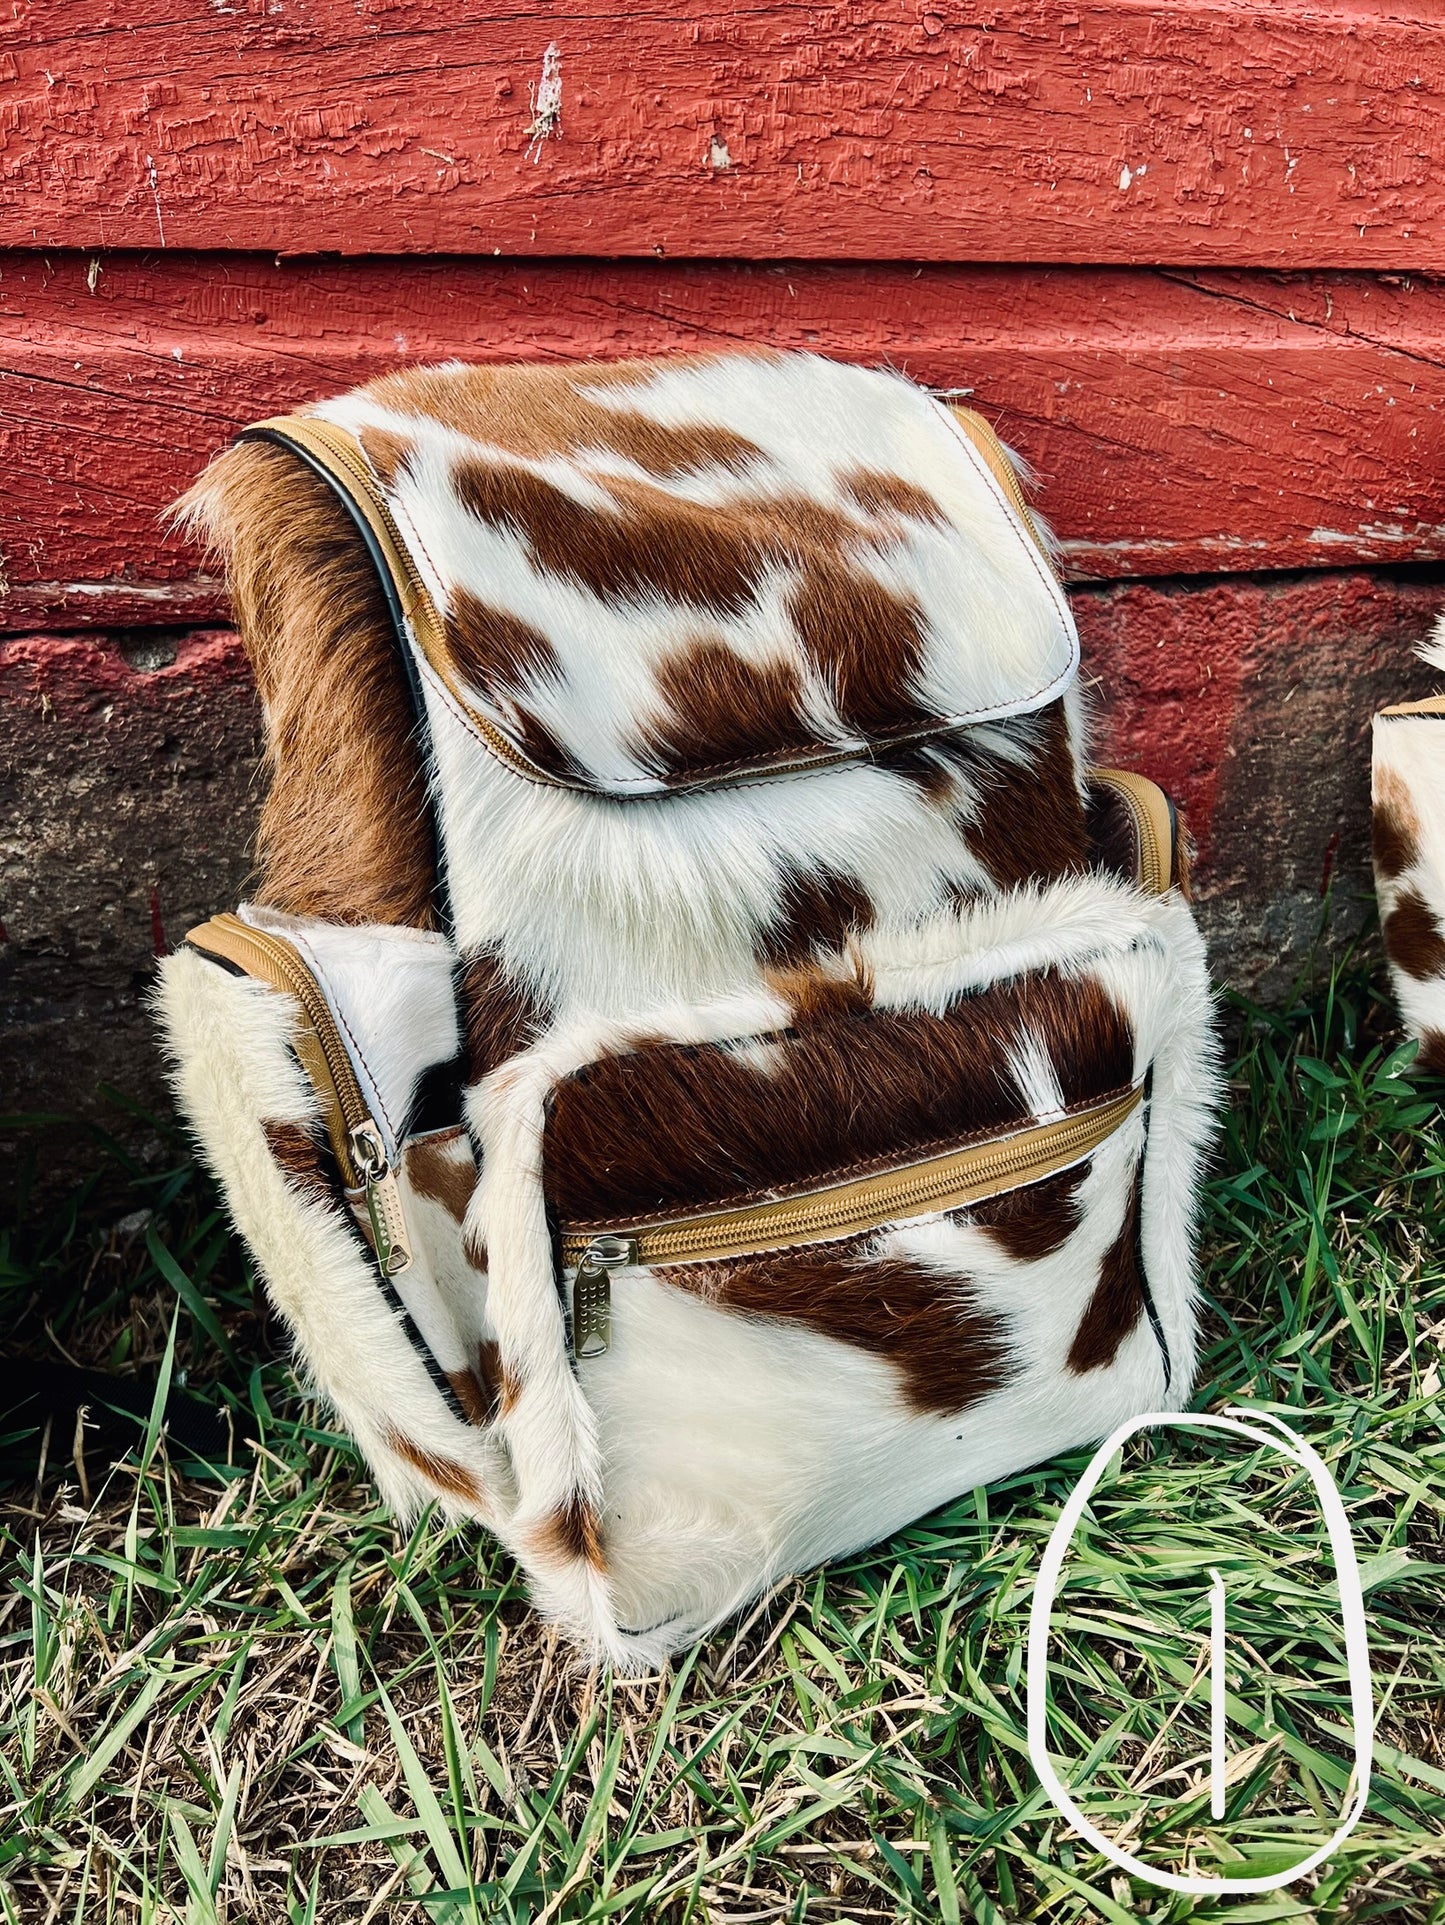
pixel 708 1073
pixel 1408 793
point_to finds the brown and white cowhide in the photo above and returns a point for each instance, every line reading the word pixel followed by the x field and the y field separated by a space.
pixel 804 687
pixel 1409 852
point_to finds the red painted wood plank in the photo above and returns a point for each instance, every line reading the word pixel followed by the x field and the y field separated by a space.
pixel 1176 424
pixel 1208 131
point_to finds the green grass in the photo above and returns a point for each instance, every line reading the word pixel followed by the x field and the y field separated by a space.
pixel 243 1695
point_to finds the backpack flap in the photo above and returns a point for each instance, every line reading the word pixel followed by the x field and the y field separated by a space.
pixel 653 579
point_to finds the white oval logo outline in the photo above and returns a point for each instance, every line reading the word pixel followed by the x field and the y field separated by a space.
pixel 1352 1619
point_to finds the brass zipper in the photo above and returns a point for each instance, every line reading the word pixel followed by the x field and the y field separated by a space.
pixel 355 1136
pixel 949 1181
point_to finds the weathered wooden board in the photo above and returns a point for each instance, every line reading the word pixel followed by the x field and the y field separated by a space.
pixel 1206 131
pixel 1177 424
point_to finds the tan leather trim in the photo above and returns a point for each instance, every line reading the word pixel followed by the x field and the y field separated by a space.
pixel 1432 705
pixel 1154 826
pixel 328 1069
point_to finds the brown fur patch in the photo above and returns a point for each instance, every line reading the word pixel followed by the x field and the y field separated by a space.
pixel 1029 823
pixel 501 657
pixel 475 1251
pixel 926 765
pixel 867 643
pixel 436 1171
pixel 668 1128
pixel 496 652
pixel 471 1394
pixel 1117 1304
pixel 1113 840
pixel 1413 938
pixel 1023 820
pixel 818 910
pixel 1432 1051
pixel 444 1472
pixel 534 411
pixel 885 494
pixel 1085 1034
pixel 948 1353
pixel 492 1377
pixel 569 1534
pixel 724 710
pixel 387 453
pixel 674 549
pixel 813 993
pixel 1395 828
pixel 538 742
pixel 307 1161
pixel 1033 1222
pixel 499 1014
pixel 344 827
pixel 510 1390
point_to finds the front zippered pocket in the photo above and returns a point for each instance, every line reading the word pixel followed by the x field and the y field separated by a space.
pixel 356 1138
pixel 951 1180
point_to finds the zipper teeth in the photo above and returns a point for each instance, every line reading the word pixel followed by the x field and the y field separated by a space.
pixel 900 1193
pixel 300 982
pixel 1158 877
pixel 1153 860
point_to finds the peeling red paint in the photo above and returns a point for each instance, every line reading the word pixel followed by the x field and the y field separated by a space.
pixel 1206 131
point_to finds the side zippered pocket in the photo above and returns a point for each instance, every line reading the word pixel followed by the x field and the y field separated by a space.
pixel 951 1180
pixel 356 1138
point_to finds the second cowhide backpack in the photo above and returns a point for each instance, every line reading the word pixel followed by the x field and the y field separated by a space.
pixel 708 1073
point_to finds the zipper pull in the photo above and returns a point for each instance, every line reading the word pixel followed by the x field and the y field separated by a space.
pixel 383 1199
pixel 592 1292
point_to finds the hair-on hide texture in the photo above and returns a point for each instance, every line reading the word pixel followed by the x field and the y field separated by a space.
pixel 344 831
pixel 1409 855
pixel 667 1130
pixel 759 769
pixel 715 565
